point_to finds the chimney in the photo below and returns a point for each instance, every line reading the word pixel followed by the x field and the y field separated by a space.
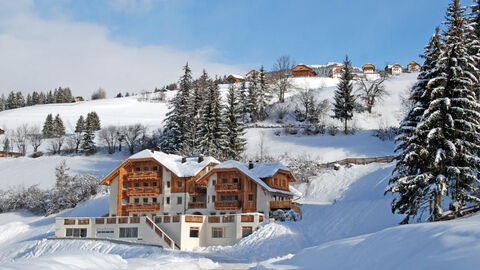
pixel 200 158
pixel 184 159
pixel 250 165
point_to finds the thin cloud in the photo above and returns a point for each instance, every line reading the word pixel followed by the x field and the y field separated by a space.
pixel 42 54
pixel 131 6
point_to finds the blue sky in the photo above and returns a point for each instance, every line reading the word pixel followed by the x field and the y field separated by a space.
pixel 257 32
pixel 136 45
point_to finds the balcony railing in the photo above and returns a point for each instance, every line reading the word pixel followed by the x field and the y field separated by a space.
pixel 227 205
pixel 282 204
pixel 143 175
pixel 143 191
pixel 227 187
pixel 143 207
pixel 197 190
pixel 196 205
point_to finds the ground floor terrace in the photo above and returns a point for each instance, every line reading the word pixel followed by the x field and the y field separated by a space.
pixel 181 232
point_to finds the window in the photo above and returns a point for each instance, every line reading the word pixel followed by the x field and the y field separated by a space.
pixel 137 169
pixel 214 182
pixel 235 180
pixel 179 184
pixel 136 200
pixel 246 231
pixel 168 184
pixel 213 198
pixel 154 200
pixel 125 184
pixel 76 233
pixel 145 184
pixel 217 232
pixel 179 200
pixel 229 198
pixel 224 181
pixel 145 169
pixel 275 181
pixel 155 168
pixel 137 184
pixel 168 200
pixel 145 200
pixel 250 197
pixel 128 232
pixel 194 232
pixel 124 201
pixel 154 183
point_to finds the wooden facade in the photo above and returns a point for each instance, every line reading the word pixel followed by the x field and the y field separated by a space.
pixel 303 71
pixel 234 79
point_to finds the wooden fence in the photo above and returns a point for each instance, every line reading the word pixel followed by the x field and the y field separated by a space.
pixel 357 161
pixel 10 154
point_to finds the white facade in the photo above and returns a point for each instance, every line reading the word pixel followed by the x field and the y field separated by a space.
pixel 183 232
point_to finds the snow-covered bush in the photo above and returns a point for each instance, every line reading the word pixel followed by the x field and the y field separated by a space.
pixel 386 134
pixel 285 215
pixel 67 193
pixel 303 168
pixel 333 130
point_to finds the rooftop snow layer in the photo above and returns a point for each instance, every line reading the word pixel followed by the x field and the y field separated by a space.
pixel 174 162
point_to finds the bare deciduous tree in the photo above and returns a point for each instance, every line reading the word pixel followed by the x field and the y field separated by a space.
pixel 109 135
pixel 20 137
pixel 56 144
pixel 35 137
pixel 132 135
pixel 281 76
pixel 371 92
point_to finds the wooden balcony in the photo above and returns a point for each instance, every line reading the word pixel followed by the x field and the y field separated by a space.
pixel 197 190
pixel 143 191
pixel 281 204
pixel 143 207
pixel 144 175
pixel 219 187
pixel 227 205
pixel 197 205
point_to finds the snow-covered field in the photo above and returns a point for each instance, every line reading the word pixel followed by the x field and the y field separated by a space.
pixel 347 222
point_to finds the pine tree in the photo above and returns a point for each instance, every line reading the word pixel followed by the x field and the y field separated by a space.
pixel 94 121
pixel 472 37
pixel 234 129
pixel 252 98
pixel 211 129
pixel 3 103
pixel 11 101
pixel 446 140
pixel 58 127
pixel 35 98
pixel 50 98
pixel 42 99
pixel 80 126
pixel 20 100
pixel 344 98
pixel 177 121
pixel 88 143
pixel 409 184
pixel 29 100
pixel 243 102
pixel 48 128
pixel 264 95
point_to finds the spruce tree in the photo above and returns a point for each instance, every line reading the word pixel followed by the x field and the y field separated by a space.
pixel 48 128
pixel 42 99
pixel 20 100
pixel 94 120
pixel 88 143
pixel 177 121
pixel 264 95
pixel 211 129
pixel 344 97
pixel 243 102
pixel 80 126
pixel 410 184
pixel 50 98
pixel 252 98
pixel 3 103
pixel 58 127
pixel 472 37
pixel 11 101
pixel 29 101
pixel 234 129
pixel 35 98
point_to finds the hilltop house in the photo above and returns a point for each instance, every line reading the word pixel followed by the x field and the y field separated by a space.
pixel 368 68
pixel 183 203
pixel 336 71
pixel 302 70
pixel 333 70
pixel 413 67
pixel 395 69
pixel 251 73
pixel 233 78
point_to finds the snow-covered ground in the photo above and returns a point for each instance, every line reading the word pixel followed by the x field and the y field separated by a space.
pixel 347 222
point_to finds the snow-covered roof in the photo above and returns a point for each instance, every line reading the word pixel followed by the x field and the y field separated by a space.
pixel 236 76
pixel 259 171
pixel 189 168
